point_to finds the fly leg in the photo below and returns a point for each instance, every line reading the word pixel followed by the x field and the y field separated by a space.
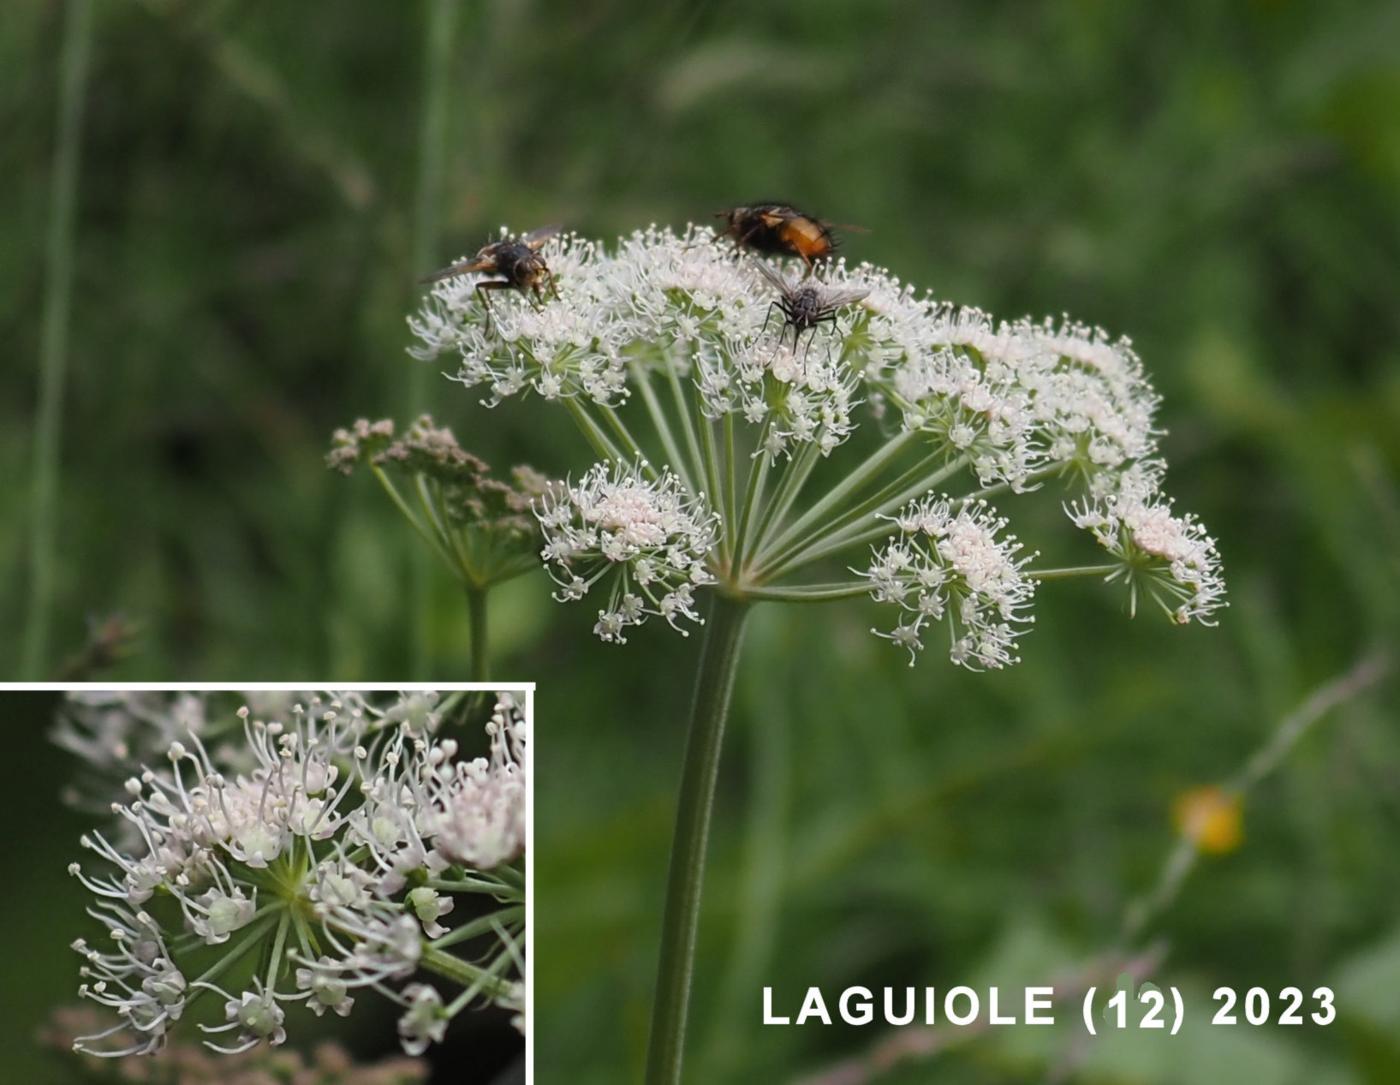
pixel 482 290
pixel 771 306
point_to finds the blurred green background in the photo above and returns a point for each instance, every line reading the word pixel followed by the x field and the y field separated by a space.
pixel 1221 181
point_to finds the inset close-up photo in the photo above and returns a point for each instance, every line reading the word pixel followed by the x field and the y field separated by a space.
pixel 273 885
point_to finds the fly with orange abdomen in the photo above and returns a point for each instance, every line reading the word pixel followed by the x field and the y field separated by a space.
pixel 779 229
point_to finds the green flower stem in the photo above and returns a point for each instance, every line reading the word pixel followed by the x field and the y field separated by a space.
pixel 457 541
pixel 717 498
pixel 663 427
pixel 867 529
pixel 426 498
pixel 279 942
pixel 848 487
pixel 697 461
pixel 1078 570
pixel 252 937
pixel 714 684
pixel 306 939
pixel 601 442
pixel 731 489
pixel 470 885
pixel 53 349
pixel 753 498
pixel 409 515
pixel 487 980
pixel 476 614
pixel 791 480
pixel 811 593
pixel 753 502
pixel 616 424
pixel 847 531
pixel 185 943
pixel 467 931
pixel 1028 483
pixel 913 480
pixel 476 980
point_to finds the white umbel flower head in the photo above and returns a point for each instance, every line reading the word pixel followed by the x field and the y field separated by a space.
pixel 561 348
pixel 646 540
pixel 951 565
pixel 338 853
pixel 1171 558
pixel 745 384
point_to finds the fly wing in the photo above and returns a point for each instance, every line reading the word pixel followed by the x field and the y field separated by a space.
pixel 780 284
pixel 536 238
pixel 839 299
pixel 462 267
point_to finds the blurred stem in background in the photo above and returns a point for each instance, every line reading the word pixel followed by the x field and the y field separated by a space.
pixel 1346 687
pixel 53 356
pixel 1130 956
pixel 441 20
pixel 714 685
pixel 476 611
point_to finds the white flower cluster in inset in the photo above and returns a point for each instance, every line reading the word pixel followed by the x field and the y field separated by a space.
pixel 951 565
pixel 476 812
pixel 1170 557
pixel 646 538
pixel 338 849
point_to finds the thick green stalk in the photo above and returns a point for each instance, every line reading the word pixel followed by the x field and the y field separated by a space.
pixel 432 148
pixel 713 686
pixel 53 348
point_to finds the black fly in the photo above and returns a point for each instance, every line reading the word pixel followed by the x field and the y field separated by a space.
pixel 515 260
pixel 805 304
